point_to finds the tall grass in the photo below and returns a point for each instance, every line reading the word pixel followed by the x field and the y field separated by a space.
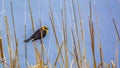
pixel 65 33
pixel 91 27
pixel 8 41
pixel 1 52
pixel 99 40
pixel 75 20
pixel 26 58
pixel 117 34
pixel 39 60
pixel 65 58
pixel 16 62
pixel 54 30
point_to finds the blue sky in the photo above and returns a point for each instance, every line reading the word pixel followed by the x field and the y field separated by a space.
pixel 40 9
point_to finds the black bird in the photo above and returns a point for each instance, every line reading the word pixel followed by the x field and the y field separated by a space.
pixel 39 34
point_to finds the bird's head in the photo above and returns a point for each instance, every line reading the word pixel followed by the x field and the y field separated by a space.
pixel 45 28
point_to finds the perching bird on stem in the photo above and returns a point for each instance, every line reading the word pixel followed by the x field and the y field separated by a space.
pixel 39 34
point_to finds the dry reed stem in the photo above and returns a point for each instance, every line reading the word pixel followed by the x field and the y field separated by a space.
pixel 53 27
pixel 65 33
pixel 92 41
pixel 115 26
pixel 48 61
pixel 26 59
pixel 38 58
pixel 2 52
pixel 91 27
pixel 59 52
pixel 1 49
pixel 75 19
pixel 82 34
pixel 75 50
pixel 116 29
pixel 16 58
pixel 31 17
pixel 57 44
pixel 9 41
pixel 99 40
pixel 81 23
pixel 25 47
pixel 114 23
pixel 101 55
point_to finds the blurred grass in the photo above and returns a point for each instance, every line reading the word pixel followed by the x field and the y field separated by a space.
pixel 16 62
pixel 63 53
pixel 39 59
pixel 1 49
pixel 54 30
pixel 8 41
pixel 91 27
pixel 2 59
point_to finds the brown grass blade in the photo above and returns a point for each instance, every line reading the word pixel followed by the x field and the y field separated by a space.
pixel 9 41
pixel 48 60
pixel 31 15
pixel 101 55
pixel 53 27
pixel 114 23
pixel 76 57
pixel 26 59
pixel 2 53
pixel 59 52
pixel 92 34
pixel 1 49
pixel 25 48
pixel 92 41
pixel 65 33
pixel 75 19
pixel 82 35
pixel 75 50
pixel 81 22
pixel 99 40
pixel 38 58
pixel 116 29
pixel 16 41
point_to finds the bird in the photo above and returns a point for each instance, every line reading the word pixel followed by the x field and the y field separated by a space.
pixel 39 34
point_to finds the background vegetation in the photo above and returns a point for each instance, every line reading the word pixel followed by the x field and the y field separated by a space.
pixel 76 39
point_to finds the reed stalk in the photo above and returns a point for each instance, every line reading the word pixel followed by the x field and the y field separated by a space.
pixel 9 41
pixel 16 58
pixel 53 27
pixel 99 40
pixel 75 20
pixel 65 33
pixel 38 57
pixel 91 27
pixel 1 52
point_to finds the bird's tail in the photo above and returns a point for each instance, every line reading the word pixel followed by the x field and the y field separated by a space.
pixel 27 40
